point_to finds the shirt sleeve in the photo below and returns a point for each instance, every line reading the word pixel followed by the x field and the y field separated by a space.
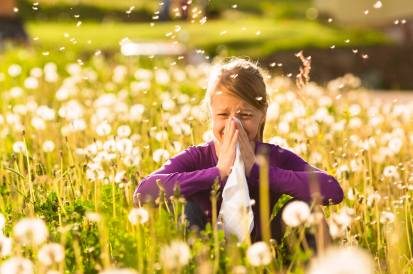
pixel 293 176
pixel 182 168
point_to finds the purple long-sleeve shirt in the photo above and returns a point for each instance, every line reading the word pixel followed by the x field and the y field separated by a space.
pixel 195 170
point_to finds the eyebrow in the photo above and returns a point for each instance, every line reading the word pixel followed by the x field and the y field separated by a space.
pixel 241 109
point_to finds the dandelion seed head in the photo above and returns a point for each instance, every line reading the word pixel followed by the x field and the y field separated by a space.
pixel 296 213
pixel 259 254
pixel 51 253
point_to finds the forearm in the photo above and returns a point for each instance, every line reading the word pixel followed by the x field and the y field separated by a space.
pixel 297 184
pixel 189 182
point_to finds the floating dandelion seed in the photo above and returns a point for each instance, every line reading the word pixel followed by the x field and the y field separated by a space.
pixel 234 6
pixel 279 64
pixel 219 92
pixel 66 34
pixel 180 57
pixel 298 75
pixel 45 53
pixel 366 12
pixel 35 8
pixel 341 86
pixel 98 52
pixel 223 32
pixel 155 17
pixel 234 76
pixel 258 33
pixel 396 22
pixel 272 64
pixel 258 98
pixel 330 20
pixel 298 54
pixel 76 16
pixel 347 41
pixel 79 23
pixel 338 97
pixel 365 56
pixel 289 75
pixel 403 21
pixel 35 38
pixel 62 48
pixel 355 50
pixel 203 20
pixel 168 34
pixel 152 24
pixel 378 5
pixel 332 47
pixel 15 9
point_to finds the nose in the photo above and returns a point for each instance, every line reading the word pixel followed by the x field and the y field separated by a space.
pixel 237 120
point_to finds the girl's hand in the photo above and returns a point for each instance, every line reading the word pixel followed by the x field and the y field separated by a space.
pixel 247 152
pixel 228 148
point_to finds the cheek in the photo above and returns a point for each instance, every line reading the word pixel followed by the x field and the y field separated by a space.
pixel 218 127
pixel 251 129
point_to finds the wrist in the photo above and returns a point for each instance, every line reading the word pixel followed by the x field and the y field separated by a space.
pixel 222 173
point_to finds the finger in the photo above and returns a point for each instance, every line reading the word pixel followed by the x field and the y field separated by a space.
pixel 234 139
pixel 232 129
pixel 226 130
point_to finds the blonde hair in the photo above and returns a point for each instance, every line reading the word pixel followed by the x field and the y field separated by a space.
pixel 243 79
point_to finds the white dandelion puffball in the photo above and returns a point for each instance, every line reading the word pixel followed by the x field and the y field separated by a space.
pixel 5 246
pixel 31 83
pixel 296 213
pixel 103 129
pixel 259 254
pixel 16 92
pixel 19 147
pixel 92 216
pixel 17 265
pixel 162 76
pixel 119 271
pixel 51 253
pixel 140 213
pixel 391 171
pixel 336 261
pixel 386 217
pixel 31 231
pixel 175 254
pixel 2 221
pixel 38 123
pixel 14 70
pixel 36 72
pixel 168 104
pixel 124 131
pixel 157 155
pixel 48 146
pixel 283 128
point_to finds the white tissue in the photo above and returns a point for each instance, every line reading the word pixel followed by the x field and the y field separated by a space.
pixel 235 196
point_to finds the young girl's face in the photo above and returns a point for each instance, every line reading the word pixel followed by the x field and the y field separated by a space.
pixel 224 106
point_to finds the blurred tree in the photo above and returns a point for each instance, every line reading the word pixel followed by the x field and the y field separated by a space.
pixel 11 27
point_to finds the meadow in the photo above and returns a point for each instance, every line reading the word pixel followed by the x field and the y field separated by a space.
pixel 76 137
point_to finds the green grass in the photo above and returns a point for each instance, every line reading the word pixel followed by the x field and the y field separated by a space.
pixel 274 35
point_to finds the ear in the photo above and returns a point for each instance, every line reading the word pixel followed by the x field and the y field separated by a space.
pixel 264 114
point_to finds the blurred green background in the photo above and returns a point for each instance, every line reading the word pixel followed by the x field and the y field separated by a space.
pixel 268 31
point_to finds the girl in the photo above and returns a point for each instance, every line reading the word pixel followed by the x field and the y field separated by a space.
pixel 237 89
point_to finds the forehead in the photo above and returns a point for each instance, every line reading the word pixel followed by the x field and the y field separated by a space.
pixel 224 101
